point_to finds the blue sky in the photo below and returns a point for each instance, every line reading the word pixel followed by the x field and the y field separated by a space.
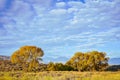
pixel 60 27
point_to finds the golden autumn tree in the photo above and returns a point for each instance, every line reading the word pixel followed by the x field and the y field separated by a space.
pixel 89 61
pixel 27 56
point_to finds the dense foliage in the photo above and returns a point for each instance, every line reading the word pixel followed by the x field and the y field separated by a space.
pixel 90 61
pixel 58 67
pixel 28 57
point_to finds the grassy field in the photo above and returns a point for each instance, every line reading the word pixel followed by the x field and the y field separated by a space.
pixel 59 75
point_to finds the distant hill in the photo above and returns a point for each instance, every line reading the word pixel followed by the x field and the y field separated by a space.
pixel 114 61
pixel 2 57
pixel 113 68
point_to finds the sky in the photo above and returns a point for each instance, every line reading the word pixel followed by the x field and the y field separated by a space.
pixel 60 27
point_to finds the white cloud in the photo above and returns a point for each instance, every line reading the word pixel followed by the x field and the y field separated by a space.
pixel 72 10
pixel 58 11
pixel 42 3
pixel 75 4
pixel 75 27
pixel 61 4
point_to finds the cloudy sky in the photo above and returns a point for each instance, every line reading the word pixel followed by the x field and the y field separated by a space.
pixel 60 27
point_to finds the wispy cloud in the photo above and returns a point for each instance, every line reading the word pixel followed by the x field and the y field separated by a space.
pixel 59 27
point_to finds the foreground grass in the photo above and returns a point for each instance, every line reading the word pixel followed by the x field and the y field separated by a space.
pixel 59 75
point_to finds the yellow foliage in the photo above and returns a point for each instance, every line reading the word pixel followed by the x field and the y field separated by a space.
pixel 27 54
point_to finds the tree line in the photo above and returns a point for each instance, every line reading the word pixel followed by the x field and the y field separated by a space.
pixel 28 58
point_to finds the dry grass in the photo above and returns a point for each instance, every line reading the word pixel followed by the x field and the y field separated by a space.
pixel 60 75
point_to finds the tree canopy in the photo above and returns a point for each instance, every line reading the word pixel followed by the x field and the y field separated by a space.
pixel 27 55
pixel 89 61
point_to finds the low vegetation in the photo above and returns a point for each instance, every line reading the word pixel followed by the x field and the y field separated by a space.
pixel 60 75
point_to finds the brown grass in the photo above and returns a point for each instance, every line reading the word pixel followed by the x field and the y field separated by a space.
pixel 60 75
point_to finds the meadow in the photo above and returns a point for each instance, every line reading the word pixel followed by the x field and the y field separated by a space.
pixel 60 75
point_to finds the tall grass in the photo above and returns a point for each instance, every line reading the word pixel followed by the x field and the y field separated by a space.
pixel 60 75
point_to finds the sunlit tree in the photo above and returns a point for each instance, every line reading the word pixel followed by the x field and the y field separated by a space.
pixel 27 56
pixel 98 60
pixel 90 61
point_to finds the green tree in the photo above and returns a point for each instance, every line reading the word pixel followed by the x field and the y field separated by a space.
pixel 27 56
